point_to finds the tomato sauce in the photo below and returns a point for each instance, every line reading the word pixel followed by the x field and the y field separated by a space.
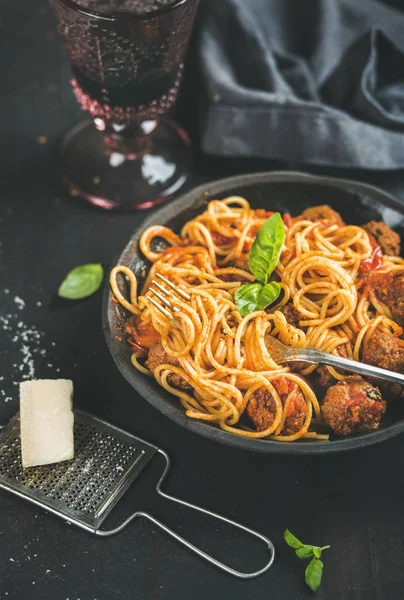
pixel 221 240
pixel 375 260
pixel 287 219
pixel 284 386
pixel 142 334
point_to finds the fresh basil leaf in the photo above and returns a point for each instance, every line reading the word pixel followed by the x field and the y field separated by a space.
pixel 317 551
pixel 81 282
pixel 313 573
pixel 246 298
pixel 266 249
pixel 292 540
pixel 255 296
pixel 306 552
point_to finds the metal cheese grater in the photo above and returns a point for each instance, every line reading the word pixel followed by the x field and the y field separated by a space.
pixel 85 489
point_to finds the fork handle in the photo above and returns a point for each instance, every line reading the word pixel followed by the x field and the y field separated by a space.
pixel 313 356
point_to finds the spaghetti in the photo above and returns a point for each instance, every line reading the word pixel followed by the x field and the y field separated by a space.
pixel 218 363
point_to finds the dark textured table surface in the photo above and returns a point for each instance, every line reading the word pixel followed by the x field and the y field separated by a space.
pixel 352 502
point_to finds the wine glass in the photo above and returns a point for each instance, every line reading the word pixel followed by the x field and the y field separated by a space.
pixel 127 58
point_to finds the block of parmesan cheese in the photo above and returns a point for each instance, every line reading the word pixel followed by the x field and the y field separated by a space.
pixel 46 420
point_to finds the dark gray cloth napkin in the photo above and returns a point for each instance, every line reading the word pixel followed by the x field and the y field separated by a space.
pixel 305 81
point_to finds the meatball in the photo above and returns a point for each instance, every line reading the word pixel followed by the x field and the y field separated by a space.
pixel 395 299
pixel 389 289
pixel 388 240
pixel 380 282
pixel 261 407
pixel 291 314
pixel 322 376
pixel 383 350
pixel 322 213
pixel 353 405
pixel 158 356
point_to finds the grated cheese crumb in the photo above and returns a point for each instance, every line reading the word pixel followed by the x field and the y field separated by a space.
pixel 19 302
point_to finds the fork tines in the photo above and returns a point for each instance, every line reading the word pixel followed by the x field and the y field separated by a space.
pixel 176 289
pixel 166 297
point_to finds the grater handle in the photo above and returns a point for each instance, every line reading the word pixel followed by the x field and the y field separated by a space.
pixel 188 544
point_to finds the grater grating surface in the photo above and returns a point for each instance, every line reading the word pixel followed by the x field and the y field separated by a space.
pixel 85 489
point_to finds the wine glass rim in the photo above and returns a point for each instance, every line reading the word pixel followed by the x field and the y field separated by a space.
pixel 73 4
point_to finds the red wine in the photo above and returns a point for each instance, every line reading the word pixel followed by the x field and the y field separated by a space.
pixel 129 95
pixel 113 103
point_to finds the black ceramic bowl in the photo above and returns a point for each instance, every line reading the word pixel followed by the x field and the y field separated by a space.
pixel 286 192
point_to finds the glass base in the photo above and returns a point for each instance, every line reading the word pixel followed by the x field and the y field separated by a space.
pixel 112 180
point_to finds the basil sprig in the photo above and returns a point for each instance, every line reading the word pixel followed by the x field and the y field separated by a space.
pixel 262 260
pixel 81 282
pixel 314 569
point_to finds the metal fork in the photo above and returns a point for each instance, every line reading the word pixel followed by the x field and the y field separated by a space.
pixel 279 351
pixel 167 297
pixel 285 354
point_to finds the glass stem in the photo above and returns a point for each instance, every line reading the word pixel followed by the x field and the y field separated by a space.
pixel 132 140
